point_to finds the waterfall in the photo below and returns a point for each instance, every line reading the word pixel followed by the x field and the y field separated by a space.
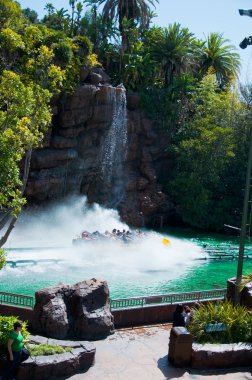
pixel 114 147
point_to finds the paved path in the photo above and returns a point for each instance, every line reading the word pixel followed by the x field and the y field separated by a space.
pixel 141 354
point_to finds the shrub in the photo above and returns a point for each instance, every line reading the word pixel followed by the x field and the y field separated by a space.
pixel 63 52
pixel 237 321
pixel 84 45
pixel 6 327
pixel 47 349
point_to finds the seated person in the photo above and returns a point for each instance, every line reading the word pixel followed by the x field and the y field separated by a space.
pixel 179 316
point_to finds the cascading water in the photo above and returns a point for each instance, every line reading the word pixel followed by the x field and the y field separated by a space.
pixel 114 148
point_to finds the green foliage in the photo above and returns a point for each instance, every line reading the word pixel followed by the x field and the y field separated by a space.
pixel 206 150
pixel 173 49
pixel 10 14
pixel 237 320
pixel 84 46
pixel 6 327
pixel 2 258
pixel 63 52
pixel 221 58
pixel 47 349
pixel 31 15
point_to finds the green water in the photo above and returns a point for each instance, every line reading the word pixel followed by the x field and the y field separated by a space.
pixel 147 268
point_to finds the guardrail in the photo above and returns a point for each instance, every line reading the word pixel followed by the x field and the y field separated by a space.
pixel 17 300
pixel 127 303
pixel 169 299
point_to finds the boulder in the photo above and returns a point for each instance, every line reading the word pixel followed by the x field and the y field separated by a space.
pixel 84 72
pixel 94 78
pixel 105 78
pixel 74 311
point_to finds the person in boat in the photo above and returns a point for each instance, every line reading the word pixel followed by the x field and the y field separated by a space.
pixel 85 235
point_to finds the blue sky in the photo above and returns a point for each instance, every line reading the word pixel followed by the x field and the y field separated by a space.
pixel 201 17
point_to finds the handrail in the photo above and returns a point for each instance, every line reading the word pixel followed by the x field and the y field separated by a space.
pixel 173 298
pixel 133 302
pixel 19 300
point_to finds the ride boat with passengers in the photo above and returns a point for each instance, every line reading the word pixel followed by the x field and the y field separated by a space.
pixel 116 235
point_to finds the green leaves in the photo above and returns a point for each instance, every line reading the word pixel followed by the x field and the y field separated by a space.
pixel 205 154
pixel 6 327
pixel 237 320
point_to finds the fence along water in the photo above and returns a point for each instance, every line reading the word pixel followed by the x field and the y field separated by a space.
pixel 129 303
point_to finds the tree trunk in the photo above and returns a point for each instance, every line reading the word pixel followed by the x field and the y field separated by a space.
pixel 13 219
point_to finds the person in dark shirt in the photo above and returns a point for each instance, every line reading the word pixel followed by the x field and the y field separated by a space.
pixel 179 316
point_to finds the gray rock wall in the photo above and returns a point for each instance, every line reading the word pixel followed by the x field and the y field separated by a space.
pixel 70 161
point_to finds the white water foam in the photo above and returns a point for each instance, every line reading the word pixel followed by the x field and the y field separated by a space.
pixel 53 228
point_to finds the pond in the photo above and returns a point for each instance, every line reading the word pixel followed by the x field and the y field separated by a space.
pixel 144 267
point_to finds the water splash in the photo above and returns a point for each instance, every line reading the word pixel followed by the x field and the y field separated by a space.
pixel 144 267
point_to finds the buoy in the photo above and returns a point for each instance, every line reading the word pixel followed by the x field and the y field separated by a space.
pixel 166 242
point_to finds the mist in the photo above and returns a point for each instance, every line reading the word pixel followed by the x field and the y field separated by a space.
pixel 143 266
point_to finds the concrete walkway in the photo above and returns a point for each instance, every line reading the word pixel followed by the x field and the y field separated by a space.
pixel 141 354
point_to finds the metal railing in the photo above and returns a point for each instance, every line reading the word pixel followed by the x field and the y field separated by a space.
pixel 16 299
pixel 127 303
pixel 168 299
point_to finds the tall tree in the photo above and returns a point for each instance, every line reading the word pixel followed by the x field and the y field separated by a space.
pixel 219 55
pixel 72 4
pixel 174 50
pixel 132 10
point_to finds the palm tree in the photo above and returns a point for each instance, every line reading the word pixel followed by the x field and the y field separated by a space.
pixel 131 10
pixel 49 8
pixel 174 49
pixel 79 9
pixel 221 57
pixel 72 5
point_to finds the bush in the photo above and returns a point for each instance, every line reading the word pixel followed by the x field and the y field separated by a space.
pixel 84 46
pixel 237 321
pixel 63 52
pixel 47 349
pixel 6 327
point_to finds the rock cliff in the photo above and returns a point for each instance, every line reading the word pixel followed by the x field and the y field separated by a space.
pixel 72 157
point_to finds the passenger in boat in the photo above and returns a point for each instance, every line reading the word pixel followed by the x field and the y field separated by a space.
pixel 85 235
pixel 179 316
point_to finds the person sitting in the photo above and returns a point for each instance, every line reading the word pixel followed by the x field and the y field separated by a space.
pixel 187 315
pixel 179 316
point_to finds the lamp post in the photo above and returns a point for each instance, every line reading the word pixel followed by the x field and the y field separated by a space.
pixel 247 41
pixel 244 223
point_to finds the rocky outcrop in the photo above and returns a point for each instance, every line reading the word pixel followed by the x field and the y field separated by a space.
pixel 71 159
pixel 74 311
